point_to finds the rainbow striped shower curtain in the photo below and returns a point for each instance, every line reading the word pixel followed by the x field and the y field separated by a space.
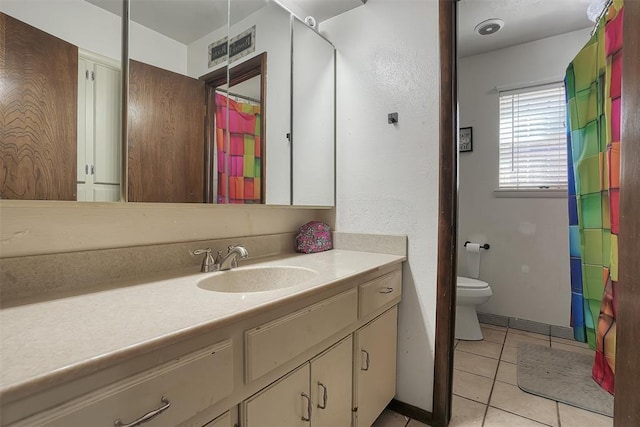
pixel 593 88
pixel 238 152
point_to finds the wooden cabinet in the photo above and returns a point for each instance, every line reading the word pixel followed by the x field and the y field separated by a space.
pixel 375 367
pixel 38 127
pixel 99 128
pixel 317 393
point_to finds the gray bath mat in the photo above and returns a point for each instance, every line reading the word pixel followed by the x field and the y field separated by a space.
pixel 563 376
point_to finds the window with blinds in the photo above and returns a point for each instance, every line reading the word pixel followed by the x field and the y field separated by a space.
pixel 533 139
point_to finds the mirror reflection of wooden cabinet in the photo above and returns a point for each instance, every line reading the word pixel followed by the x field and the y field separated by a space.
pixel 38 122
pixel 166 134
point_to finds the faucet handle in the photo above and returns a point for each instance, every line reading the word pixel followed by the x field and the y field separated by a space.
pixel 208 263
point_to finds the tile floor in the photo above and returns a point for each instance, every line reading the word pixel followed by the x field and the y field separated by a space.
pixel 485 391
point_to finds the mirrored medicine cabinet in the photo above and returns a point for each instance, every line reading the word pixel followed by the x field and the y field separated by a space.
pixel 226 101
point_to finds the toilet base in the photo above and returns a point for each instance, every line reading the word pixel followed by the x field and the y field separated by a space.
pixel 467 324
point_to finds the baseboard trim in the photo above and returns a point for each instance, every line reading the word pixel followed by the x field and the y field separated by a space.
pixel 527 325
pixel 411 411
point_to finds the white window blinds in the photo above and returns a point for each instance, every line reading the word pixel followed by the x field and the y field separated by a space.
pixel 533 138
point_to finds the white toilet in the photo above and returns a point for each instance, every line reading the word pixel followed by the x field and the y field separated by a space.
pixel 470 293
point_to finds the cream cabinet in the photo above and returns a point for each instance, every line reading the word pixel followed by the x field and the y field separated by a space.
pixel 228 419
pixel 330 362
pixel 164 396
pixel 331 386
pixel 317 393
pixel 99 128
pixel 375 367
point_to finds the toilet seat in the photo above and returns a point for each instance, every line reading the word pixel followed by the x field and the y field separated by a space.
pixel 468 283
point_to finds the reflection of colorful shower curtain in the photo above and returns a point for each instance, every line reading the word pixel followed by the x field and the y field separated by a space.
pixel 593 82
pixel 239 159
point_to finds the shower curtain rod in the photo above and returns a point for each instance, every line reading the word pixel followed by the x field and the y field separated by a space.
pixel 602 14
pixel 237 95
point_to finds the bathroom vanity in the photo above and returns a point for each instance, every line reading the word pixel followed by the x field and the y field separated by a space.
pixel 318 348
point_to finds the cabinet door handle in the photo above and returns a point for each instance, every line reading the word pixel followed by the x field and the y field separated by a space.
pixel 386 290
pixel 308 417
pixel 86 167
pixel 146 417
pixel 366 360
pixel 325 396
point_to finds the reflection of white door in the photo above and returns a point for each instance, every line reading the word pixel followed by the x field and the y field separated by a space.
pixel 99 124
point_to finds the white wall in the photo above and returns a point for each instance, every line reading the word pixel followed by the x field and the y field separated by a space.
pixel 96 30
pixel 272 36
pixel 528 264
pixel 387 180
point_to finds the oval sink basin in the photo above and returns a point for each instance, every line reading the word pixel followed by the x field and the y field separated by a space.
pixel 256 279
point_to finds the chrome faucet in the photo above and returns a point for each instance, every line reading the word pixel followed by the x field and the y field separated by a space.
pixel 229 261
pixel 209 264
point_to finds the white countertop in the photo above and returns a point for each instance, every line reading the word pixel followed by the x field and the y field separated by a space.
pixel 50 342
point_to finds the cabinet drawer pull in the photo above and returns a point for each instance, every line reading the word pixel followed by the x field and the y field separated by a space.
pixel 366 360
pixel 308 417
pixel 146 417
pixel 386 290
pixel 325 396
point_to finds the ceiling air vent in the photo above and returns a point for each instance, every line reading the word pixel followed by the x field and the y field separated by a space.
pixel 490 26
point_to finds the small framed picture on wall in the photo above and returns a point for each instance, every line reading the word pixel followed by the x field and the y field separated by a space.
pixel 466 139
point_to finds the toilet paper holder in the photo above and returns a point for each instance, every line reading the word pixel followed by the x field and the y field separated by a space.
pixel 485 246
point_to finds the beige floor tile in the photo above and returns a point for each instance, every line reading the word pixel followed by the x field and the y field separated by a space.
pixel 507 373
pixel 509 354
pixel 390 419
pixel 573 348
pixel 528 334
pixel 471 386
pixel 479 365
pixel 416 423
pixel 482 348
pixel 514 339
pixel 490 326
pixel 569 342
pixel 576 417
pixel 466 413
pixel 493 335
pixel 497 418
pixel 511 399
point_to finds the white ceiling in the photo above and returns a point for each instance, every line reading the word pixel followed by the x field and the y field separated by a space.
pixel 189 20
pixel 525 21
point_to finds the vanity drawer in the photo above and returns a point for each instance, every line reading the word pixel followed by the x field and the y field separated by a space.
pixel 272 344
pixel 378 292
pixel 184 386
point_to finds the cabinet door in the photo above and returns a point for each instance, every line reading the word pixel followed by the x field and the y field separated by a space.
pixel 375 366
pixel 284 403
pixel 228 419
pixel 331 386
pixel 107 112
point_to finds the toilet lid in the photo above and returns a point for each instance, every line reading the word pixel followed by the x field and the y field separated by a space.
pixel 466 282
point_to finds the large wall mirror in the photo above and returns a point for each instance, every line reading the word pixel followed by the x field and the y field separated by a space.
pixel 229 101
pixel 60 91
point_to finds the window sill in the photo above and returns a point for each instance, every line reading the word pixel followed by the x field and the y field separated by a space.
pixel 541 193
